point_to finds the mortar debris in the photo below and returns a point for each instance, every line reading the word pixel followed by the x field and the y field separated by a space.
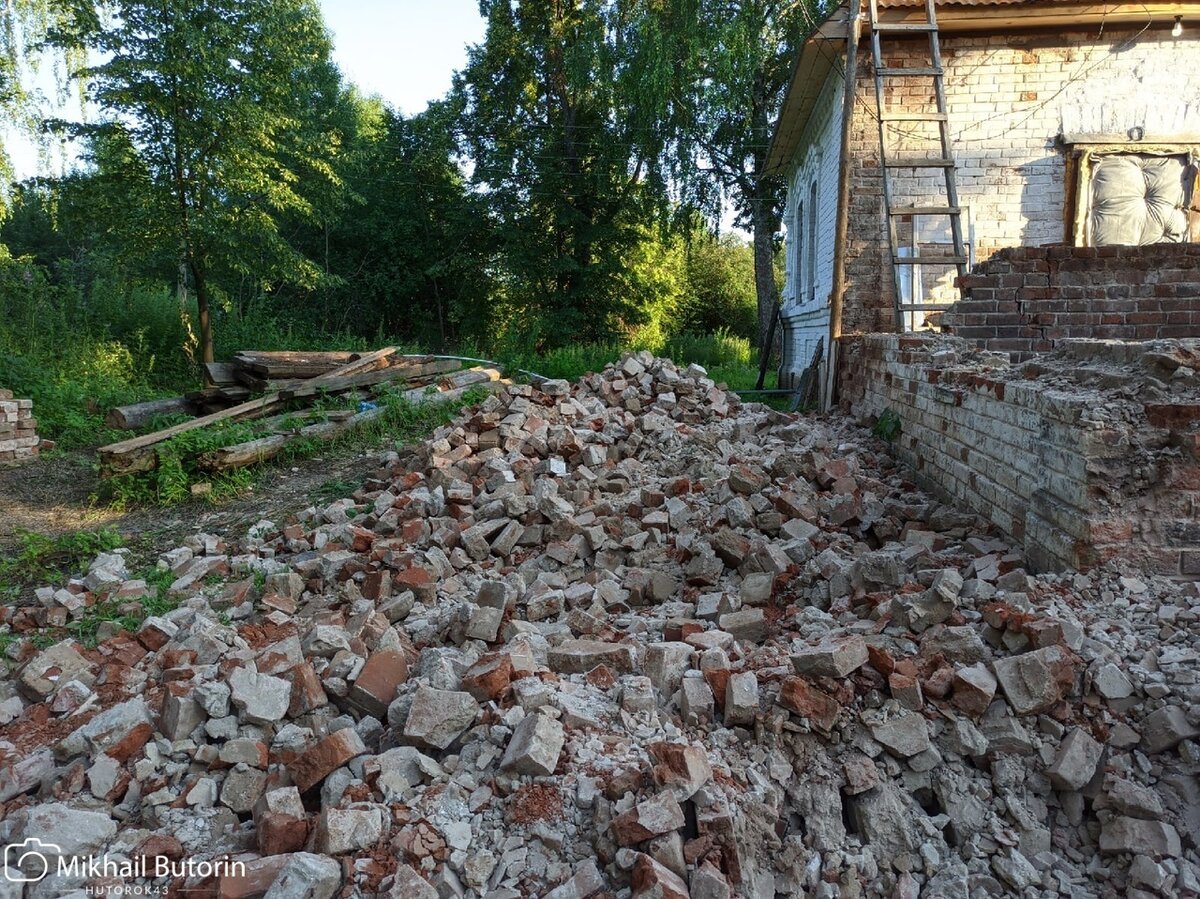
pixel 627 637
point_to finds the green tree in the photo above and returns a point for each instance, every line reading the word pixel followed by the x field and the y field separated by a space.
pixel 25 52
pixel 409 246
pixel 561 148
pixel 219 117
pixel 732 61
pixel 720 293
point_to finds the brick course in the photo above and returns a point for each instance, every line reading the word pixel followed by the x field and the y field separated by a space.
pixel 1027 300
pixel 18 430
pixel 1080 474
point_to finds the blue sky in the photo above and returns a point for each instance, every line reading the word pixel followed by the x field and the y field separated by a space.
pixel 404 50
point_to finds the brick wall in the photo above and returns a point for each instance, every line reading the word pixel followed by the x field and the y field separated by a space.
pixel 1079 472
pixel 18 430
pixel 1028 299
pixel 1010 98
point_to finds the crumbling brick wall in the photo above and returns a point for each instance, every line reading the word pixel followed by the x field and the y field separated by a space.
pixel 1029 299
pixel 1010 99
pixel 1080 470
pixel 18 430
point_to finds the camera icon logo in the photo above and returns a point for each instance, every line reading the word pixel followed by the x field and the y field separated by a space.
pixel 29 861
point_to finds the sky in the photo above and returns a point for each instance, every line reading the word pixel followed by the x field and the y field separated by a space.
pixel 404 50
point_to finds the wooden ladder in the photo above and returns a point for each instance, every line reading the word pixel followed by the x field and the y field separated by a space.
pixel 908 313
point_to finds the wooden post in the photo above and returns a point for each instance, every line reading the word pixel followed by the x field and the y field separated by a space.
pixel 765 357
pixel 843 209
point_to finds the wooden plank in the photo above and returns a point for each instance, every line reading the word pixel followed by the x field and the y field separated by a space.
pixel 262 449
pixel 138 454
pixel 291 363
pixel 111 455
pixel 138 415
pixel 219 374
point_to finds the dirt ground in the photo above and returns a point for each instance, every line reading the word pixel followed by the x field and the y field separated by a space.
pixel 53 496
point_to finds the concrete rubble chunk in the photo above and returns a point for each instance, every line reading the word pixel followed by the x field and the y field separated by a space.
pixel 345 830
pixel 587 881
pixel 832 658
pixel 1029 681
pixel 58 664
pixel 741 698
pixel 1076 761
pixel 259 698
pixel 120 731
pixel 1112 683
pixel 1137 836
pixel 749 625
pixel 74 831
pixel 683 769
pixel 1165 729
pixel 581 656
pixel 665 664
pixel 535 746
pixel 408 884
pixel 974 688
pixel 22 775
pixel 903 734
pixel 437 718
pixel 650 818
pixel 306 876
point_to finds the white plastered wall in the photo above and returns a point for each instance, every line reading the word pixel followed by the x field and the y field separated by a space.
pixel 806 309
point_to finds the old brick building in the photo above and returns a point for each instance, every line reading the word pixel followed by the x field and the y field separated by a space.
pixel 1045 99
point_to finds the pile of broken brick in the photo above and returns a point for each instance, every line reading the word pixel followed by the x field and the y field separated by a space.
pixel 627 637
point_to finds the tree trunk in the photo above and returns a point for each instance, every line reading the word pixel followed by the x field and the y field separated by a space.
pixel 763 222
pixel 206 334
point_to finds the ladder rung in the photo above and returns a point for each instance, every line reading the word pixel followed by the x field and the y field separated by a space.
pixel 930 260
pixel 925 307
pixel 887 70
pixel 915 117
pixel 925 210
pixel 901 28
pixel 919 163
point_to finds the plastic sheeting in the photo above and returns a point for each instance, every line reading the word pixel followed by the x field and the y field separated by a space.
pixel 1138 200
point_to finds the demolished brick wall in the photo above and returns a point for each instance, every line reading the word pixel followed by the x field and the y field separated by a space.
pixel 1087 454
pixel 18 430
pixel 1027 300
pixel 1010 99
pixel 627 639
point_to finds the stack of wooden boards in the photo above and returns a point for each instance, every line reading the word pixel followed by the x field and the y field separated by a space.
pixel 292 381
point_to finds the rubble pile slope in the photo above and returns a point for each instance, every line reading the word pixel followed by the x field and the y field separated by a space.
pixel 627 637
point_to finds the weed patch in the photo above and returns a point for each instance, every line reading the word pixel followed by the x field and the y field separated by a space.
pixel 43 559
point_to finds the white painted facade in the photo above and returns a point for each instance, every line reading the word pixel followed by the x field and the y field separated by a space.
pixel 810 220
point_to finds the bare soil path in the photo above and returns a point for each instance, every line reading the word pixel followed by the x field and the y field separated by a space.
pixel 53 496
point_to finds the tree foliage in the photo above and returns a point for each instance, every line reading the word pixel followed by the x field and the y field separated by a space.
pixel 551 198
pixel 408 251
pixel 733 61
pixel 219 117
pixel 552 127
